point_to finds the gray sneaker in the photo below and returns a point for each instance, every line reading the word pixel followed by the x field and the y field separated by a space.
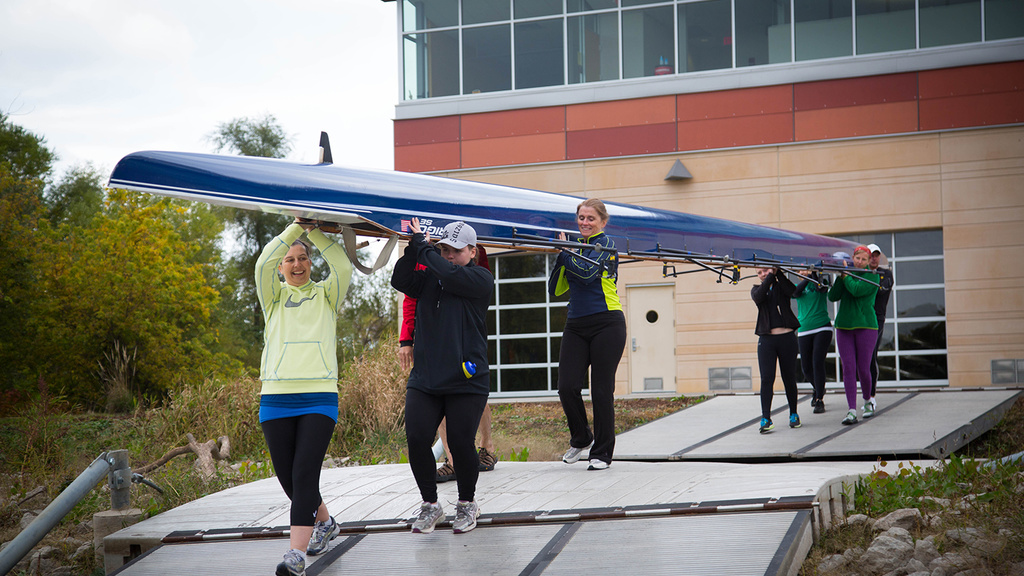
pixel 466 514
pixel 572 455
pixel 429 516
pixel 323 533
pixel 294 564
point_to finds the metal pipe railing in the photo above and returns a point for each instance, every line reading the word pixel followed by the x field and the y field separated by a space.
pixel 52 515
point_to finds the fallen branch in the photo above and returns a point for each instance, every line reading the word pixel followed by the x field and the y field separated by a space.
pixel 206 453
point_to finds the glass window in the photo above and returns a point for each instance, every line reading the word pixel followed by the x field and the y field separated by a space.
pixel 481 11
pixel 822 29
pixel 522 293
pixel 524 380
pixel 919 272
pixel 945 22
pixel 922 335
pixel 532 8
pixel 918 243
pixel 913 340
pixel 486 59
pixel 588 5
pixel 705 35
pixel 930 302
pixel 1003 19
pixel 648 47
pixel 559 314
pixel 885 26
pixel 762 32
pixel 930 367
pixel 524 351
pixel 523 320
pixel 423 14
pixel 539 53
pixel 593 47
pixel 431 61
pixel 640 2
pixel 521 267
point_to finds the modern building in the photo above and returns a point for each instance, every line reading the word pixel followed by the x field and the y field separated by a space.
pixel 895 122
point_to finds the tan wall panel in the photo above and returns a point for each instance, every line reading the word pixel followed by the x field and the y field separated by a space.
pixel 870 154
pixel 982 145
pixel 987 235
pixel 559 178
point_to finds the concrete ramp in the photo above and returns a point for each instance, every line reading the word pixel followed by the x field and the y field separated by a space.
pixel 917 424
pixel 679 499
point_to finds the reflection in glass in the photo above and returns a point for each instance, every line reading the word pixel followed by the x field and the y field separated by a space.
pixel 1003 19
pixel 539 53
pixel 919 243
pixel 558 316
pixel 556 348
pixel 423 14
pixel 919 272
pixel 430 63
pixel 492 325
pixel 480 11
pixel 587 5
pixel 823 29
pixel 648 47
pixel 492 352
pixel 911 303
pixel 523 292
pixel 705 35
pixel 886 368
pixel 486 59
pixel 885 26
pixel 945 22
pixel 762 32
pixel 888 338
pixel 593 47
pixel 931 367
pixel 521 267
pixel 532 8
pixel 922 335
pixel 524 321
pixel 523 351
pixel 524 380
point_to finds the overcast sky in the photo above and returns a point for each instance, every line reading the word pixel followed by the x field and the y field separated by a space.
pixel 99 79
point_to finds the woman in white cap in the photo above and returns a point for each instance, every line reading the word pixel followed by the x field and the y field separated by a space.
pixel 881 304
pixel 450 377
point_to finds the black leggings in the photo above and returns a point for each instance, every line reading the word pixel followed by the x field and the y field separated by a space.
pixel 297 449
pixel 596 342
pixel 813 351
pixel 781 348
pixel 423 414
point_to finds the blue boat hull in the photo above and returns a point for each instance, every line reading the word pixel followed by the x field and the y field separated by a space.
pixel 383 202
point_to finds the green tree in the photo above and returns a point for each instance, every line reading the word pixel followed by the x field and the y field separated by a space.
pixel 77 198
pixel 128 282
pixel 23 155
pixel 251 230
pixel 25 164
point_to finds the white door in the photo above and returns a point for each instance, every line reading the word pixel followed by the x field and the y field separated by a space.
pixel 651 341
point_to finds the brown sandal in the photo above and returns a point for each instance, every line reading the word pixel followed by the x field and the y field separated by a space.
pixel 487 460
pixel 446 473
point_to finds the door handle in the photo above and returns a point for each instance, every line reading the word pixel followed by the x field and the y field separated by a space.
pixel 634 344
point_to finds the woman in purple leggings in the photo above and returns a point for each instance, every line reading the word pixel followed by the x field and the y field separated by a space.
pixel 856 330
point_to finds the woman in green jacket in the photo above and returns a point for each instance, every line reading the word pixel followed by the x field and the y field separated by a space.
pixel 856 330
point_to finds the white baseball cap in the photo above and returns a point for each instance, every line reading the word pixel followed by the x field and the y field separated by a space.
pixel 458 235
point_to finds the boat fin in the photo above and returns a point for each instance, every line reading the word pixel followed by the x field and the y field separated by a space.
pixel 325 149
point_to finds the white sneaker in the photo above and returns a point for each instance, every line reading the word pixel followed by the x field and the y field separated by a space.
pixel 466 514
pixel 429 516
pixel 572 455
pixel 869 409
pixel 596 464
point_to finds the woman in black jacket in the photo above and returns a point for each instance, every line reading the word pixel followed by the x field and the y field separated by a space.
pixel 776 331
pixel 450 377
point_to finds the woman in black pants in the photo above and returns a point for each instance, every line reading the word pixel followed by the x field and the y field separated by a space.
pixel 594 336
pixel 815 334
pixel 776 330
pixel 450 378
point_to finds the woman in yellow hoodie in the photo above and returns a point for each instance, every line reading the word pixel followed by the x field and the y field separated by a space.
pixel 299 373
